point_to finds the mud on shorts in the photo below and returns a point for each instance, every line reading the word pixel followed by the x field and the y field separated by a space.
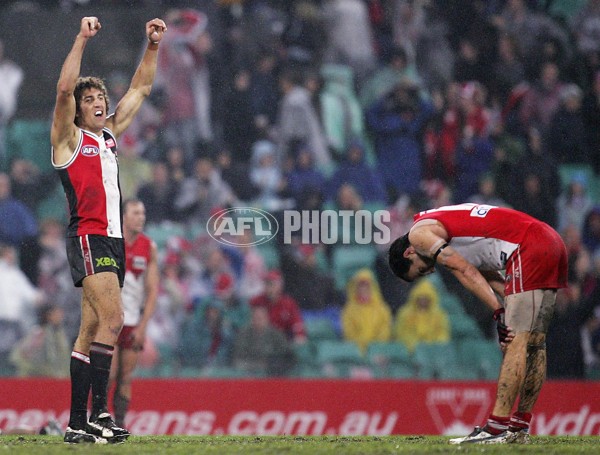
pixel 530 311
pixel 91 254
pixel 533 274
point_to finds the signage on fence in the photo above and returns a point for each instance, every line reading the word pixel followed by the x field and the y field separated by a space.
pixel 307 407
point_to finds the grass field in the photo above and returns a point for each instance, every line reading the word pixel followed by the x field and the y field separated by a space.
pixel 338 445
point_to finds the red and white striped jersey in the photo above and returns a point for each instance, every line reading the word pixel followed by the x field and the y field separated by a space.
pixel 137 258
pixel 91 183
pixel 484 235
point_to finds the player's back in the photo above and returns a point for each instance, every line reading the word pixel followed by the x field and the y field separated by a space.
pixel 474 220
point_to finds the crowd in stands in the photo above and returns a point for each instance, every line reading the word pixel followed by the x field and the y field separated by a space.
pixel 400 105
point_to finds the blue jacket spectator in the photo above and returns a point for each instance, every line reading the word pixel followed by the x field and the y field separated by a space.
pixel 387 76
pixel 591 230
pixel 474 158
pixel 396 122
pixel 17 222
pixel 304 177
pixel 356 172
pixel 566 136
pixel 239 117
pixel 264 90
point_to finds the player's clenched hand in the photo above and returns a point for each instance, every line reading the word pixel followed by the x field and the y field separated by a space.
pixel 89 26
pixel 155 30
pixel 138 338
pixel 505 333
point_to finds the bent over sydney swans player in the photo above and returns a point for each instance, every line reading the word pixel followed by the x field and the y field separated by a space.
pixel 476 242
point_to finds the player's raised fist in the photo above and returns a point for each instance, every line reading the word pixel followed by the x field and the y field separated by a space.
pixel 89 26
pixel 155 30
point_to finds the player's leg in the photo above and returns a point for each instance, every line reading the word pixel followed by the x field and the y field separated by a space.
pixel 122 397
pixel 510 380
pixel 104 293
pixel 114 367
pixel 114 370
pixel 512 373
pixel 524 311
pixel 535 372
pixel 80 368
pixel 81 377
pixel 119 402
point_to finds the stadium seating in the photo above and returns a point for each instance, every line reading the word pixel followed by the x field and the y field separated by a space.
pixel 54 206
pixel 390 360
pixel 451 304
pixel 319 329
pixel 464 326
pixel 305 352
pixel 341 359
pixel 161 233
pixel 189 372
pixel 195 230
pixel 436 360
pixel 593 373
pixel 568 171
pixel 306 361
pixel 270 254
pixel 438 282
pixel 30 139
pixel 348 259
pixel 222 372
pixel 480 355
pixel 140 372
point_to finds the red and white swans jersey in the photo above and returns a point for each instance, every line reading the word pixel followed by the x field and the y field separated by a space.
pixel 484 235
pixel 137 258
pixel 497 238
pixel 91 182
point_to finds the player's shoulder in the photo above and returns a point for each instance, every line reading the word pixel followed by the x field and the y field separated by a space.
pixel 145 239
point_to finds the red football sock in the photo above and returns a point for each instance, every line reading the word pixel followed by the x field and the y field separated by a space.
pixel 496 425
pixel 520 421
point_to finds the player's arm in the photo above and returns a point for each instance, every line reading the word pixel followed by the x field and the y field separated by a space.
pixel 429 242
pixel 495 280
pixel 469 276
pixel 142 80
pixel 151 284
pixel 63 134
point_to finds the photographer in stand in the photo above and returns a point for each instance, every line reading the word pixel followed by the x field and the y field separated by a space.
pixel 396 123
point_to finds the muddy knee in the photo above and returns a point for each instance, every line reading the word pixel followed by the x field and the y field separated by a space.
pixel 537 342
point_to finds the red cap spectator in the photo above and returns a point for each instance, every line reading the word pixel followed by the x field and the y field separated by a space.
pixel 223 285
pixel 273 275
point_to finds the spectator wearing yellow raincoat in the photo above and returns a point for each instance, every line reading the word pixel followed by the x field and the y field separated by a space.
pixel 421 319
pixel 365 317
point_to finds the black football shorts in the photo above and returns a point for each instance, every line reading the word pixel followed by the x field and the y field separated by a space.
pixel 90 254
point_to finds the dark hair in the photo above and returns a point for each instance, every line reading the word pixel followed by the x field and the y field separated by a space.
pixel 292 74
pixel 396 260
pixel 130 201
pixel 84 83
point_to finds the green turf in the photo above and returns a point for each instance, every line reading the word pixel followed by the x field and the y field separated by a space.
pixel 293 445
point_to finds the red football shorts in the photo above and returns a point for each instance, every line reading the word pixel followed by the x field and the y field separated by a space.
pixel 540 262
pixel 125 340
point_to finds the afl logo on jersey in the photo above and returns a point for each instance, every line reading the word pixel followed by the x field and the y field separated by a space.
pixel 89 150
